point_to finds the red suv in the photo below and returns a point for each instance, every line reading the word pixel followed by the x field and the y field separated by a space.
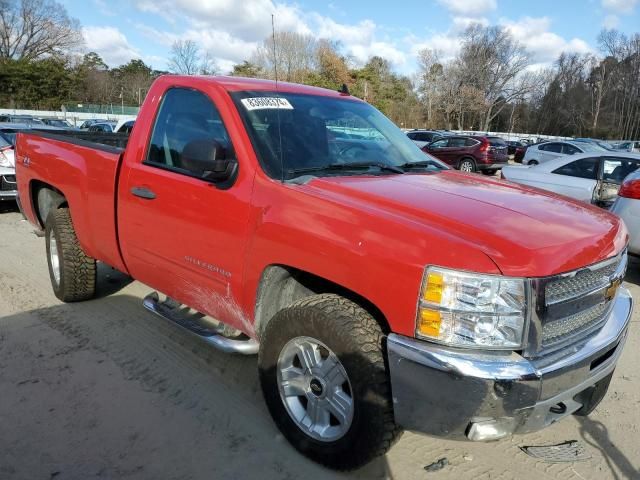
pixel 471 154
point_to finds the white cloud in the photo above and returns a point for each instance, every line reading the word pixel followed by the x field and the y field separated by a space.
pixel 247 19
pixel 535 35
pixel 110 43
pixel 620 6
pixel 469 8
pixel 611 21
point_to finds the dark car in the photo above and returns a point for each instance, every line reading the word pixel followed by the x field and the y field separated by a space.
pixel 423 137
pixel 470 154
pixel 513 146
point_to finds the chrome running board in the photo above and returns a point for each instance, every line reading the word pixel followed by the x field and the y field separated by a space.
pixel 175 312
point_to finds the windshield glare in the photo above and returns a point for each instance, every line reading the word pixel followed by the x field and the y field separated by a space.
pixel 295 132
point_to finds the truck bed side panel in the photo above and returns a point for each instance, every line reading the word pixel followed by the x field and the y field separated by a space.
pixel 87 178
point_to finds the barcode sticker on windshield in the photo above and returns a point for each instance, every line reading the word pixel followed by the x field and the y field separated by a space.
pixel 258 103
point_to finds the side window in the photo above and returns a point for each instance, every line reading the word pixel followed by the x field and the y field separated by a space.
pixel 470 142
pixel 569 149
pixel 439 144
pixel 457 142
pixel 187 124
pixel 412 135
pixel 583 168
pixel 614 170
pixel 551 147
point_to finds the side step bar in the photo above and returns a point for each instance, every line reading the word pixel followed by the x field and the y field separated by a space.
pixel 171 310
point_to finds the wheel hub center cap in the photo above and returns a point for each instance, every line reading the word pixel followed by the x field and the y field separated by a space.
pixel 316 387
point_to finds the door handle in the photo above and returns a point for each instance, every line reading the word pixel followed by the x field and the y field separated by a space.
pixel 143 192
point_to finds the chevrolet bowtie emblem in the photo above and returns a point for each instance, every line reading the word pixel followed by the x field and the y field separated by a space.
pixel 611 290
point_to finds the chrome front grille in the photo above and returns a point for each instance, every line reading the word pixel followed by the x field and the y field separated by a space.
pixel 583 322
pixel 571 307
pixel 581 283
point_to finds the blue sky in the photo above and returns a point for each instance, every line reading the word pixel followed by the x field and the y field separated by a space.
pixel 229 30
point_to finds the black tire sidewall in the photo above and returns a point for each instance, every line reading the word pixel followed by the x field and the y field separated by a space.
pixel 340 453
pixel 51 229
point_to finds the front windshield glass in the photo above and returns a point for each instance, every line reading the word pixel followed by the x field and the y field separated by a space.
pixel 590 147
pixel 297 134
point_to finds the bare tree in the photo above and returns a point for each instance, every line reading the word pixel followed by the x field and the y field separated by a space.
pixel 208 65
pixel 185 57
pixel 295 56
pixel 494 63
pixel 32 29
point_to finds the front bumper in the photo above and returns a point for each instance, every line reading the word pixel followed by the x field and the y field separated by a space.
pixel 465 394
pixel 8 186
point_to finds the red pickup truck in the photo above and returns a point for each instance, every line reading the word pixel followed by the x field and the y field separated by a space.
pixel 380 289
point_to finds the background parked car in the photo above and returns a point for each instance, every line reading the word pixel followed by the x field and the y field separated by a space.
pixel 629 146
pixel 57 122
pixel 627 207
pixel 513 145
pixel 87 123
pixel 586 177
pixel 103 127
pixel 8 184
pixel 543 152
pixel 124 126
pixel 422 137
pixel 22 119
pixel 470 154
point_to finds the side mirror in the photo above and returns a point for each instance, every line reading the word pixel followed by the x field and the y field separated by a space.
pixel 208 159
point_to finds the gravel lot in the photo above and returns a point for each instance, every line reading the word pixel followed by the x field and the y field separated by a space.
pixel 104 389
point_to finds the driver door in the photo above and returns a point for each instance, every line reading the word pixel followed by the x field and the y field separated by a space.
pixel 179 233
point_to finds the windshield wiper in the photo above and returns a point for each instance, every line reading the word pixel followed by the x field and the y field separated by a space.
pixel 348 166
pixel 424 163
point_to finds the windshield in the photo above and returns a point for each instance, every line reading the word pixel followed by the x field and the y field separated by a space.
pixel 296 134
pixel 9 137
pixel 590 147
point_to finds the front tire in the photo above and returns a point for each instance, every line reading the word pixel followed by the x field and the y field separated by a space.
pixel 532 162
pixel 72 272
pixel 325 381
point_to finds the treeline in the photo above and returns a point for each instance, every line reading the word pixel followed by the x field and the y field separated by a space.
pixel 49 83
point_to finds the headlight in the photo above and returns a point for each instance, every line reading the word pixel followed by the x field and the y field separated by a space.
pixel 472 310
pixel 6 159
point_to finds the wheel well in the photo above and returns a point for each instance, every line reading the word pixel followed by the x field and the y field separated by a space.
pixel 45 198
pixel 280 286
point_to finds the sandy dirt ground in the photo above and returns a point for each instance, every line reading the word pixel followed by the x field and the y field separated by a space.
pixel 104 389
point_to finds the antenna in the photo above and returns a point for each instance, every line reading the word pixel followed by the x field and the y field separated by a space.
pixel 275 72
pixel 275 60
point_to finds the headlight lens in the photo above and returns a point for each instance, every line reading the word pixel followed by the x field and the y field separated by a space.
pixel 7 159
pixel 472 310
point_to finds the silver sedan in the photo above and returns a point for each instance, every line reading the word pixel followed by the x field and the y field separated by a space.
pixel 627 207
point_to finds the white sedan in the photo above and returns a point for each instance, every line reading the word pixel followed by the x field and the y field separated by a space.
pixel 543 152
pixel 589 177
pixel 627 207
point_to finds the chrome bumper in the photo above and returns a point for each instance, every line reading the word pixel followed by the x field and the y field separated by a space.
pixel 467 394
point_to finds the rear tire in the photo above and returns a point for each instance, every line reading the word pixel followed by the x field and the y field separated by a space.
pixel 533 162
pixel 340 328
pixel 72 272
pixel 467 165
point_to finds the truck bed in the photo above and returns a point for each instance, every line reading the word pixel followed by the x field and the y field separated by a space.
pixel 84 168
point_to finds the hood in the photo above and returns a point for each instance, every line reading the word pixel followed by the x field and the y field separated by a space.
pixel 525 231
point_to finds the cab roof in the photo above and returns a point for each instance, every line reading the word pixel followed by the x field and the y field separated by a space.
pixel 235 84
